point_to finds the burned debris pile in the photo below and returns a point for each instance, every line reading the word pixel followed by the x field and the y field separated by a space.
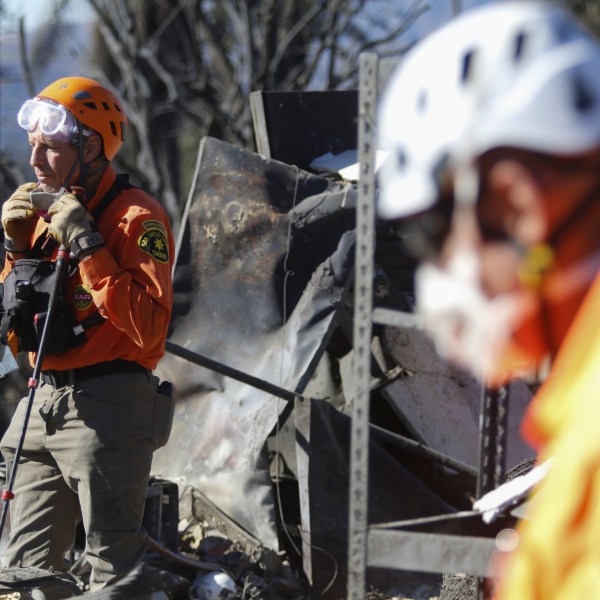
pixel 249 499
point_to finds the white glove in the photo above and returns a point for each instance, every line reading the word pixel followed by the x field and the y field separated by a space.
pixel 19 219
pixel 495 502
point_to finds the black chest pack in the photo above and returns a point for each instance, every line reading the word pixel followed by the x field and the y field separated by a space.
pixel 26 294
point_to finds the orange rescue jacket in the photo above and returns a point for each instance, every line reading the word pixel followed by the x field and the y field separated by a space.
pixel 558 557
pixel 128 281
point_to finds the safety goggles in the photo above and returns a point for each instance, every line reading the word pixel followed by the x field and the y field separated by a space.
pixel 51 119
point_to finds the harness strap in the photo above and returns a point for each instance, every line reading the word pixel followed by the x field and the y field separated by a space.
pixel 121 183
pixel 91 321
pixel 6 323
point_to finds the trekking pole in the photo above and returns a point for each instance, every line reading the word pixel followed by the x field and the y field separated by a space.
pixel 62 262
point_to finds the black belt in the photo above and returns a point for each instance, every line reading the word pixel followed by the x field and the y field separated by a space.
pixel 60 379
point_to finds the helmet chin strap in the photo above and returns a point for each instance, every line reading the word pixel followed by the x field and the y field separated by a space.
pixel 65 185
pixel 84 168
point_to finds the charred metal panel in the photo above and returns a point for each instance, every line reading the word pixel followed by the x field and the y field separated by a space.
pixel 394 494
pixel 296 127
pixel 265 251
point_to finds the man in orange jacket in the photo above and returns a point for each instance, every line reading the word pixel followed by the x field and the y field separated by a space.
pixel 98 414
pixel 493 127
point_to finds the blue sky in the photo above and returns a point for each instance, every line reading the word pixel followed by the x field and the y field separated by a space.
pixel 442 10
pixel 37 12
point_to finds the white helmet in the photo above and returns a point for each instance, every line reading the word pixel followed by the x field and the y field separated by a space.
pixel 521 73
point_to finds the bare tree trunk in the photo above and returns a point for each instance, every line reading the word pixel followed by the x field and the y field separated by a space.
pixel 184 68
pixel 25 65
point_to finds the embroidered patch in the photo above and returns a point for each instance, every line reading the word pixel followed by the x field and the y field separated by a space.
pixel 82 297
pixel 154 241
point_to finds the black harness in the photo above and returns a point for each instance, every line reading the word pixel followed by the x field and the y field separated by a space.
pixel 26 294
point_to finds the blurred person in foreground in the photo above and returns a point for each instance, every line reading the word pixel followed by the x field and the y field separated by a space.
pixel 493 128
pixel 98 414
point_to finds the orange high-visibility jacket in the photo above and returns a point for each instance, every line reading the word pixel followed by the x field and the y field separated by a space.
pixel 128 281
pixel 558 556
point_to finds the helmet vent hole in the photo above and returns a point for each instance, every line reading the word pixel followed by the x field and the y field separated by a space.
pixel 105 106
pixel 467 66
pixel 401 159
pixel 440 170
pixel 583 97
pixel 520 41
pixel 91 105
pixel 113 128
pixel 422 101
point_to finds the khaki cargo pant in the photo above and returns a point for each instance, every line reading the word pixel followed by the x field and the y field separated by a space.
pixel 87 456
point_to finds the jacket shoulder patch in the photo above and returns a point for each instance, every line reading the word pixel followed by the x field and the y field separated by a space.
pixel 154 241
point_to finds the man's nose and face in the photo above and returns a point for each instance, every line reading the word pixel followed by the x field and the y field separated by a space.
pixel 527 201
pixel 52 161
pixel 468 287
pixel 498 256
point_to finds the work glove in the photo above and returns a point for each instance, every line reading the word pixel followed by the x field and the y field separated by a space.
pixel 72 226
pixel 19 219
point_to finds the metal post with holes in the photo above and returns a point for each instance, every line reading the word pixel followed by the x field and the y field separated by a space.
pixel 458 542
pixel 363 301
pixel 493 428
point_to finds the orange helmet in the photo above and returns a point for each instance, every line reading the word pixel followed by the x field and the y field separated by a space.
pixel 93 106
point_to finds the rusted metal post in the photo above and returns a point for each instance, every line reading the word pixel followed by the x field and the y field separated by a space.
pixel 362 329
